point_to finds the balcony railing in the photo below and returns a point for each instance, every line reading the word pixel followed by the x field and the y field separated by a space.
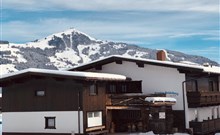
pixel 197 99
pixel 206 126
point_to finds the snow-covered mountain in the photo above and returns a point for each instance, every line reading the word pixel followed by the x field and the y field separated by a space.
pixel 72 47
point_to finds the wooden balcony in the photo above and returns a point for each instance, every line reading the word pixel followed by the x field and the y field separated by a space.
pixel 205 127
pixel 198 99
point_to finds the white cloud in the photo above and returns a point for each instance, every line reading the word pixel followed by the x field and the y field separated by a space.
pixel 115 5
pixel 212 52
pixel 18 31
pixel 217 38
pixel 212 35
pixel 212 49
pixel 147 32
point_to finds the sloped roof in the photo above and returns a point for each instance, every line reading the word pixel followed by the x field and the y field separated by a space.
pixel 114 58
pixel 65 74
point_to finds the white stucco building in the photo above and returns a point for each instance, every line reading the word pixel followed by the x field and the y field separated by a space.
pixel 199 84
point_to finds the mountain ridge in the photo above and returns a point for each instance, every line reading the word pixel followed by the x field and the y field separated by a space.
pixel 72 47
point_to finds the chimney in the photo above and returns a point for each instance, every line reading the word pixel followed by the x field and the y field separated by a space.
pixel 162 55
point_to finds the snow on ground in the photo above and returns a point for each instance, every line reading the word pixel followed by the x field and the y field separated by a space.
pixel 61 59
pixel 42 44
pixel 147 133
pixel 126 54
pixel 69 54
pixel 94 49
pixel 6 68
pixel 138 54
pixel 14 52
pixel 66 32
pixel 57 63
pixel 91 49
pixel 118 46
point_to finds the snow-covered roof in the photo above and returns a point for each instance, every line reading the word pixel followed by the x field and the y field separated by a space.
pixel 160 99
pixel 210 69
pixel 86 75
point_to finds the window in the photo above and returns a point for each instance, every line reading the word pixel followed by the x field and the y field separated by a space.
pixel 97 114
pixel 90 114
pixel 124 88
pixel 218 112
pixel 191 85
pixel 162 115
pixel 112 88
pixel 215 86
pixel 211 86
pixel 40 93
pixel 93 89
pixel 50 122
pixel 94 118
pixel 213 83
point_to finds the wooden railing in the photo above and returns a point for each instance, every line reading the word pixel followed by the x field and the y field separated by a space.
pixel 206 126
pixel 197 99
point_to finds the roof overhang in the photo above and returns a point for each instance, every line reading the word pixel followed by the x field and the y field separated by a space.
pixel 42 73
pixel 140 62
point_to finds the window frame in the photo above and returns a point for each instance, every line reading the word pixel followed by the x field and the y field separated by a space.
pixel 211 85
pixel 93 92
pixel 162 115
pixel 192 86
pixel 91 115
pixel 124 88
pixel 47 126
pixel 112 88
pixel 40 95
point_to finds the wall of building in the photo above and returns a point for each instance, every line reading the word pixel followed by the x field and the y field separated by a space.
pixel 154 78
pixel 203 113
pixel 34 122
pixel 94 103
pixel 59 95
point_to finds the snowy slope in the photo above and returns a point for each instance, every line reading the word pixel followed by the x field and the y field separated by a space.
pixel 71 48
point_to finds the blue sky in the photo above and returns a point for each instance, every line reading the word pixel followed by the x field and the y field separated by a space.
pixel 190 26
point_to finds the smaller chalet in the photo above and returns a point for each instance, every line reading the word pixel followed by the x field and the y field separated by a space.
pixel 40 101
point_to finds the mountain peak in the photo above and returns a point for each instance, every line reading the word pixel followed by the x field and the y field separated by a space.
pixel 72 31
pixel 73 47
pixel 68 37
